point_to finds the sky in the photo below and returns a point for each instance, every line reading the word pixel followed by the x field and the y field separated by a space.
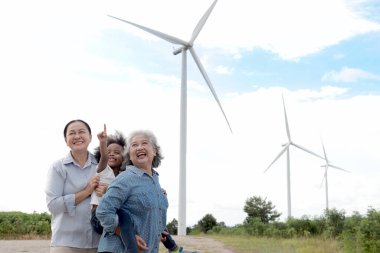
pixel 63 60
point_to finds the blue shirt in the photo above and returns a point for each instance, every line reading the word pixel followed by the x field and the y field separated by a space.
pixel 70 223
pixel 141 196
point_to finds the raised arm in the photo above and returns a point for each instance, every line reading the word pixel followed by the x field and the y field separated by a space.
pixel 102 136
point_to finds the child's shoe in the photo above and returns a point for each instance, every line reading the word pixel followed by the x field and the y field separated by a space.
pixel 181 250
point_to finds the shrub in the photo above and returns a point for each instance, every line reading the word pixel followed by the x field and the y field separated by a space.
pixel 370 231
pixel 21 225
pixel 207 223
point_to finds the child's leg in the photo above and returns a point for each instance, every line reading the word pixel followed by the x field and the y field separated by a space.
pixel 127 231
pixel 171 245
pixel 168 241
pixel 95 222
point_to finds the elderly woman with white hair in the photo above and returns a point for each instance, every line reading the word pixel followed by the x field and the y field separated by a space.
pixel 136 191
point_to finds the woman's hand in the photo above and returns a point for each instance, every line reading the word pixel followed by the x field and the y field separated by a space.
pixel 101 189
pixel 94 182
pixel 141 244
pixel 86 192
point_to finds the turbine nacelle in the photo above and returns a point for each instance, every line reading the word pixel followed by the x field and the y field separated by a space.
pixel 180 50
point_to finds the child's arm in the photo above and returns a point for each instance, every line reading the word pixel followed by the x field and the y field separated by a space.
pixel 102 136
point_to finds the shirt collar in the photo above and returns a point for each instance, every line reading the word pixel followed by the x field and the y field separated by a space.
pixel 69 159
pixel 140 172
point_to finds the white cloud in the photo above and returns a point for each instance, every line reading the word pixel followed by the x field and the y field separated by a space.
pixel 322 93
pixel 349 75
pixel 223 70
pixel 291 29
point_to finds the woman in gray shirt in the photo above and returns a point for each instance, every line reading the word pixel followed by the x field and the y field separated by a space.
pixel 70 182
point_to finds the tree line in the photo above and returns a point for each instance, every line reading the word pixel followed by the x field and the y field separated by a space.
pixel 355 233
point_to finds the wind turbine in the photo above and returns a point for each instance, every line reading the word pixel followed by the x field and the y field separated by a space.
pixel 327 165
pixel 286 149
pixel 184 46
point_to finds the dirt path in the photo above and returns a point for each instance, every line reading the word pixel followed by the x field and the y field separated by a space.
pixel 202 244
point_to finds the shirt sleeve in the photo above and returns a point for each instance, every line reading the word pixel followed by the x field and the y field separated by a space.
pixel 56 201
pixel 106 176
pixel 111 202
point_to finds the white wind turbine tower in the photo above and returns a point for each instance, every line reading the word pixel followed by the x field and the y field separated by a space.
pixel 286 149
pixel 327 165
pixel 184 46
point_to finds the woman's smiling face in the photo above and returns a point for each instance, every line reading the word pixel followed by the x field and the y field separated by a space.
pixel 142 152
pixel 78 137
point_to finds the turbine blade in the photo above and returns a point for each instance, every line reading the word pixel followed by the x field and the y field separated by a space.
pixel 336 167
pixel 328 162
pixel 205 76
pixel 161 35
pixel 278 156
pixel 286 120
pixel 201 23
pixel 308 151
pixel 324 152
pixel 323 179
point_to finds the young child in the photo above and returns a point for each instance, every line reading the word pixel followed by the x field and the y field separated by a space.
pixel 104 171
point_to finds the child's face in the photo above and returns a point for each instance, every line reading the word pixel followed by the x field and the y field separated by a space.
pixel 115 155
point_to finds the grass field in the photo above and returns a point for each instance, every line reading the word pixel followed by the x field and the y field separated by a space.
pixel 243 244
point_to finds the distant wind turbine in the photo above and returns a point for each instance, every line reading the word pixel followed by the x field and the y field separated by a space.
pixel 184 46
pixel 286 149
pixel 327 165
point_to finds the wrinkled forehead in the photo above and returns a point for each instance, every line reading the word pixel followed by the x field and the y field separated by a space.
pixel 138 138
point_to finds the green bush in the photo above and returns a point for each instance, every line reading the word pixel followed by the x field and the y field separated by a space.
pixel 304 226
pixel 254 226
pixel 350 234
pixel 172 227
pixel 21 225
pixel 207 223
pixel 334 221
pixel 369 234
pixel 277 230
pixel 361 234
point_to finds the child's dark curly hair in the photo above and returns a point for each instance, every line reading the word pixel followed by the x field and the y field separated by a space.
pixel 117 138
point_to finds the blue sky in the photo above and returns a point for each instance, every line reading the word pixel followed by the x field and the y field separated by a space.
pixel 63 60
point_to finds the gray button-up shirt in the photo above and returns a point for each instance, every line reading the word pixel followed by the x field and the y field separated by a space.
pixel 70 223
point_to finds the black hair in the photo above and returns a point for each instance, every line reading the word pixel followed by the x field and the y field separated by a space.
pixel 117 138
pixel 73 121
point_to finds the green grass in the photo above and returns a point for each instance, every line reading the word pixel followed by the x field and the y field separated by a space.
pixel 245 244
